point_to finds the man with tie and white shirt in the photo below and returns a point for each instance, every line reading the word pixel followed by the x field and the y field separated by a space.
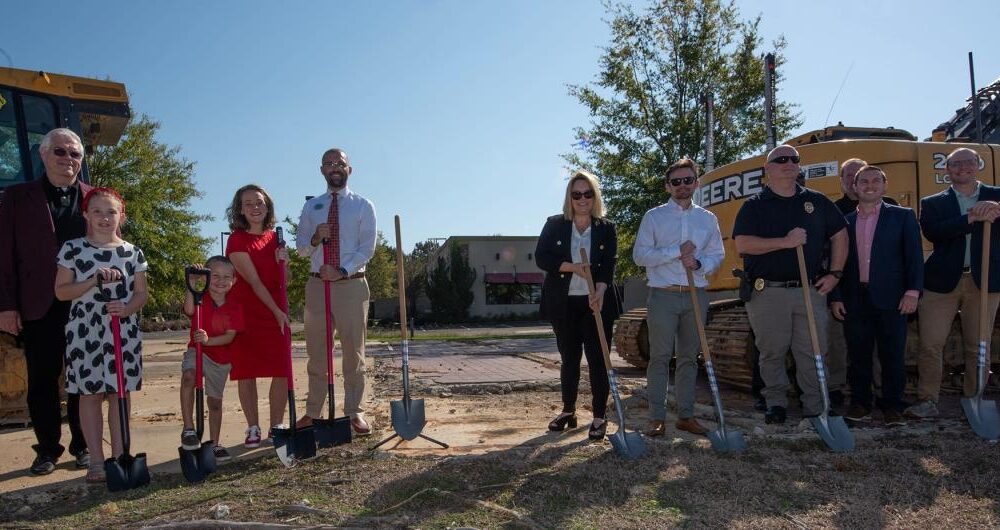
pixel 673 238
pixel 337 232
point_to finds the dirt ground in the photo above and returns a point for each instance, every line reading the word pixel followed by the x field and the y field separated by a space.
pixel 503 469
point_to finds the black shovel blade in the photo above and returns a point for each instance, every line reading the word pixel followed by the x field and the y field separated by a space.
pixel 292 446
pixel 126 472
pixel 834 433
pixel 408 422
pixel 197 464
pixel 629 445
pixel 729 442
pixel 982 416
pixel 332 432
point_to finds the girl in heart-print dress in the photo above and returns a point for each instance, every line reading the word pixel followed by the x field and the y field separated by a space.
pixel 90 350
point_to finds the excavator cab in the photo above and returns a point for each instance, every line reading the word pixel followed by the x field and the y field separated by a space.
pixel 33 102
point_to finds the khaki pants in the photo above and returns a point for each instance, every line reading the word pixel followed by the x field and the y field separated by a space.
pixel 779 322
pixel 349 313
pixel 937 311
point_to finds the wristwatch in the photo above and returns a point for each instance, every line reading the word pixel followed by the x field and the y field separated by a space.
pixel 343 272
pixel 836 274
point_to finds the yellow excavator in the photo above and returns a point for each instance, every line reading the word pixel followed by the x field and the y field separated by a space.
pixel 32 103
pixel 915 170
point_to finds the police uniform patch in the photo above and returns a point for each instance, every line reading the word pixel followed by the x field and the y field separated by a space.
pixel 758 284
pixel 809 207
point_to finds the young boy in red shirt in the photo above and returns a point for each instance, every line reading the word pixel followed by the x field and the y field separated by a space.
pixel 220 322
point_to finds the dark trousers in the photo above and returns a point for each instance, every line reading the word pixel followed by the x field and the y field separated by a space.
pixel 864 327
pixel 45 351
pixel 576 334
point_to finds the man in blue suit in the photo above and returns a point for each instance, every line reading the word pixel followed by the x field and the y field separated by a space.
pixel 881 286
pixel 952 221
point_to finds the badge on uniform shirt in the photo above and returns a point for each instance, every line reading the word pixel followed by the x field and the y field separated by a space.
pixel 758 284
pixel 601 247
pixel 558 242
pixel 809 207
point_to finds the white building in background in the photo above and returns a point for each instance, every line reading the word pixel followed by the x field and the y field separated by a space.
pixel 507 279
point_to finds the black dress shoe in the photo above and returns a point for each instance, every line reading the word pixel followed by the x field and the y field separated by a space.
pixel 598 432
pixel 43 465
pixel 836 398
pixel 775 414
pixel 562 420
pixel 760 405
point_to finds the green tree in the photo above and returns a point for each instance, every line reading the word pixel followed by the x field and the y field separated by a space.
pixel 158 187
pixel 298 268
pixel 416 272
pixel 647 103
pixel 381 270
pixel 449 286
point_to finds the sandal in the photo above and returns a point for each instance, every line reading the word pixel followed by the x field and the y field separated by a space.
pixel 597 432
pixel 562 420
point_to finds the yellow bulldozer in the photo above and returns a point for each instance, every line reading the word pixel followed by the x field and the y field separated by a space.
pixel 915 170
pixel 31 104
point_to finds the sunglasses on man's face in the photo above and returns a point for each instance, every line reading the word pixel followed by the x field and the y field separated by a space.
pixel 784 159
pixel 687 181
pixel 577 195
pixel 59 151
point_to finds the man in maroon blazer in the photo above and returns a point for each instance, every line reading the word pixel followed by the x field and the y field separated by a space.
pixel 36 218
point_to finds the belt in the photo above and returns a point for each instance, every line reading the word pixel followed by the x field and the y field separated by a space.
pixel 966 269
pixel 793 283
pixel 354 276
pixel 674 288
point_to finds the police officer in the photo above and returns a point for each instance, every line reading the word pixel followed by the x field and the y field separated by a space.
pixel 769 226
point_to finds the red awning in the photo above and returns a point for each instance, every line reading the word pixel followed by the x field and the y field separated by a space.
pixel 521 277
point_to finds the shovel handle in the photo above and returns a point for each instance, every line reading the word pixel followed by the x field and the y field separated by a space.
pixel 984 277
pixel 697 316
pixel 605 349
pixel 401 280
pixel 806 295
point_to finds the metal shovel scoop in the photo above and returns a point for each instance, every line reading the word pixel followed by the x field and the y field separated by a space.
pixel 627 444
pixel 196 464
pixel 290 444
pixel 982 414
pixel 722 439
pixel 831 429
pixel 126 471
pixel 331 430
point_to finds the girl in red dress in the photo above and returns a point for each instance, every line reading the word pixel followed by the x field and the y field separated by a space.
pixel 260 350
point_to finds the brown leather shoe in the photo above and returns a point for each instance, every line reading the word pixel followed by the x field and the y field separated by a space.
pixel 303 422
pixel 656 428
pixel 360 426
pixel 691 425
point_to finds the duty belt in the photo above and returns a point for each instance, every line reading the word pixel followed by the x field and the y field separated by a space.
pixel 760 283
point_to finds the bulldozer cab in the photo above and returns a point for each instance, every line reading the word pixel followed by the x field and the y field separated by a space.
pixel 33 102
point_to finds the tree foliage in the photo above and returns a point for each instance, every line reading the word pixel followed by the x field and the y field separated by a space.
pixel 416 272
pixel 158 187
pixel 647 102
pixel 449 286
pixel 381 270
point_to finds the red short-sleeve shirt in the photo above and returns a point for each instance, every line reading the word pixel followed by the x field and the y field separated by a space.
pixel 217 320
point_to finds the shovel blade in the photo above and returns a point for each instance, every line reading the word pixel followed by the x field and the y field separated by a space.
pixel 292 446
pixel 729 442
pixel 983 417
pixel 629 445
pixel 332 432
pixel 190 465
pixel 834 433
pixel 408 422
pixel 126 472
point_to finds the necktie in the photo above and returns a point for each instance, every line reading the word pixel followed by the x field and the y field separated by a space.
pixel 331 249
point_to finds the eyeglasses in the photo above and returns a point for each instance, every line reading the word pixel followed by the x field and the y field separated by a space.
pixel 577 195
pixel 784 159
pixel 335 164
pixel 687 181
pixel 59 151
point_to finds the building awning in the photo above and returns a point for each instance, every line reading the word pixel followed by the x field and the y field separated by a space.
pixel 521 277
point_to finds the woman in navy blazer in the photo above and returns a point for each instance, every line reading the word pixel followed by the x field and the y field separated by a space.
pixel 565 299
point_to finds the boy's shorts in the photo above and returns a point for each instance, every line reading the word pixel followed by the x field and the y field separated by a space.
pixel 215 374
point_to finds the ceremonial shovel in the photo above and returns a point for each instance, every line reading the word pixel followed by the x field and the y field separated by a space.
pixel 982 415
pixel 832 430
pixel 290 443
pixel 627 444
pixel 126 471
pixel 407 414
pixel 722 440
pixel 198 463
pixel 332 430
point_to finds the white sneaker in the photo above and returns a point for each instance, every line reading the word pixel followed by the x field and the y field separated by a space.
pixel 253 437
pixel 922 410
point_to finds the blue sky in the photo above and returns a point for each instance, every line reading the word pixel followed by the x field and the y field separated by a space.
pixel 454 113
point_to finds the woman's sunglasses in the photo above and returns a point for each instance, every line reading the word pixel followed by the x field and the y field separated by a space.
pixel 577 195
pixel 59 151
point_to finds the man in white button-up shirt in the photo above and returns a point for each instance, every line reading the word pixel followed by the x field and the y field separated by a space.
pixel 673 238
pixel 340 261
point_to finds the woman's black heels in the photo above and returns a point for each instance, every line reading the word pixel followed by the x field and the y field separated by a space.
pixel 597 432
pixel 562 420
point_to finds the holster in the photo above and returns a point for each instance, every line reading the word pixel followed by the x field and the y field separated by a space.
pixel 746 284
